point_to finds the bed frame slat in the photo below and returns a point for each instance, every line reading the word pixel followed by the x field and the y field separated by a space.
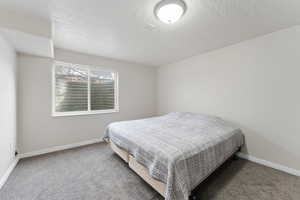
pixel 122 153
pixel 142 171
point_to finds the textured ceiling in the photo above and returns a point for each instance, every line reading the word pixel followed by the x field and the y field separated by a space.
pixel 128 30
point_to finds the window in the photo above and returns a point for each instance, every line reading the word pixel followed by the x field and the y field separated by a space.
pixel 79 90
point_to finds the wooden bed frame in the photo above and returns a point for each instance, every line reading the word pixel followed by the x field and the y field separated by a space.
pixel 142 171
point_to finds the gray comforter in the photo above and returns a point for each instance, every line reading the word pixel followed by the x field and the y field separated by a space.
pixel 179 149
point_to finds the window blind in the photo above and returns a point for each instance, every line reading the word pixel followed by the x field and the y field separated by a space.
pixel 102 90
pixel 71 89
pixel 80 90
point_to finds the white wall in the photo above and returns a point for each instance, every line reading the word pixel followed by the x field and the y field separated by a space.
pixel 255 84
pixel 39 130
pixel 7 105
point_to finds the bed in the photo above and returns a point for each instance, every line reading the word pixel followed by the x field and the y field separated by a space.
pixel 175 152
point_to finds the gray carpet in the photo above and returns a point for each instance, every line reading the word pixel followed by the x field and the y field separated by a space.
pixel 95 173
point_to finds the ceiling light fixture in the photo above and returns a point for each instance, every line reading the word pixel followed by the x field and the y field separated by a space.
pixel 170 11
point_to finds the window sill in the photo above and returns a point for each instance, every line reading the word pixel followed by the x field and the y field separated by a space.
pixel 65 114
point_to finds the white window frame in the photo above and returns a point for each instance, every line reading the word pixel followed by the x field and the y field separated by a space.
pixel 89 111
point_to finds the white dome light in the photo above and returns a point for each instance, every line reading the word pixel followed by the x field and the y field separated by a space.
pixel 170 11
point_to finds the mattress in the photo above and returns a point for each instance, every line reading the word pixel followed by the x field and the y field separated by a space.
pixel 178 149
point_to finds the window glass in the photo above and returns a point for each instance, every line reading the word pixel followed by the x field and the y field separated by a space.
pixel 102 90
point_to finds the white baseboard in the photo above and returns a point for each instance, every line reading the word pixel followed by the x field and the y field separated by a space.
pixel 59 148
pixel 269 164
pixel 4 178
